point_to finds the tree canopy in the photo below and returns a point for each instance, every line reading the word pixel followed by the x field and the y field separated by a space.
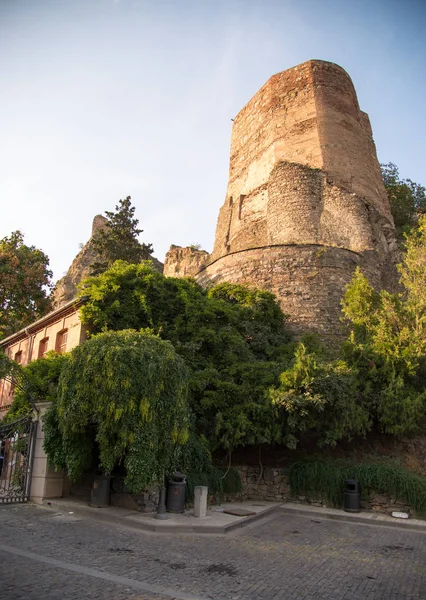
pixel 387 346
pixel 232 338
pixel 25 284
pixel 118 239
pixel 407 199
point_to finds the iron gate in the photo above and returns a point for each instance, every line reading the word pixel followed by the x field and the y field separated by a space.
pixel 16 457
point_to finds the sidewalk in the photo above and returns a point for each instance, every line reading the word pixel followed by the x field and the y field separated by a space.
pixel 216 522
pixel 366 517
pixel 219 523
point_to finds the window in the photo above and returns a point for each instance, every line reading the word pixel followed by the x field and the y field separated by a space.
pixel 61 341
pixel 42 348
pixel 18 357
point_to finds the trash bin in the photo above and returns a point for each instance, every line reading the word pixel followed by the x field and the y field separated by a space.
pixel 176 493
pixel 100 492
pixel 352 497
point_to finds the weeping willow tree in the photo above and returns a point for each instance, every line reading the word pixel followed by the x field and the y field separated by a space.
pixel 125 392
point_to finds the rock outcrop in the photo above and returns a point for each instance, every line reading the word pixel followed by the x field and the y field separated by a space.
pixel 184 262
pixel 66 288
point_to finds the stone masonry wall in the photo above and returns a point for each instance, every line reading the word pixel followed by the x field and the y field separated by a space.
pixel 309 281
pixel 271 485
pixel 308 116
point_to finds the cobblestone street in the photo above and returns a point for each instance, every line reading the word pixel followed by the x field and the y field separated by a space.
pixel 47 555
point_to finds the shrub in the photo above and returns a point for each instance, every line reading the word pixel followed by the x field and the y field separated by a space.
pixel 327 478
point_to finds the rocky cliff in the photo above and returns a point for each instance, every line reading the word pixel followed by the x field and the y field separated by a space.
pixel 66 288
pixel 184 262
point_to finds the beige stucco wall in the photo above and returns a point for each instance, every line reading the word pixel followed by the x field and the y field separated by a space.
pixel 29 343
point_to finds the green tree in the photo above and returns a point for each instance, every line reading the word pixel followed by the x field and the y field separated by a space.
pixel 125 392
pixel 407 199
pixel 118 239
pixel 233 339
pixel 321 397
pixel 25 283
pixel 387 345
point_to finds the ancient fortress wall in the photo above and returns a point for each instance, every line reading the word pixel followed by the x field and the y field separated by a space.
pixel 305 202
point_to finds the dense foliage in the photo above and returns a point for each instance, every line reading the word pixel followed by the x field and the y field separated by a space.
pixel 250 385
pixel 232 338
pixel 39 383
pixel 320 396
pixel 196 463
pixel 407 199
pixel 125 394
pixel 118 239
pixel 387 345
pixel 378 379
pixel 326 479
pixel 25 282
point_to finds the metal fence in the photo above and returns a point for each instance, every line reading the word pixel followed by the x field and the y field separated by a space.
pixel 16 458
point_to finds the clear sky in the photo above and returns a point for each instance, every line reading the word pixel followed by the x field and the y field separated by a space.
pixel 100 99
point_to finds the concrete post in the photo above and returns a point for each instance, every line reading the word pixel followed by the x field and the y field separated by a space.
pixel 46 482
pixel 200 501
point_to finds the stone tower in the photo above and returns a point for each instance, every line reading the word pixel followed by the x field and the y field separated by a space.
pixel 306 201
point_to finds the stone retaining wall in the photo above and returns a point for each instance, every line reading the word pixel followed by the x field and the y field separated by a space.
pixel 271 484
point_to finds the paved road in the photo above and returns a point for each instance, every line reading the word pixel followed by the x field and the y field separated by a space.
pixel 49 556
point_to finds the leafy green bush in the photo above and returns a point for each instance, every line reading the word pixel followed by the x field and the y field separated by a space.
pixel 407 199
pixel 326 479
pixel 195 461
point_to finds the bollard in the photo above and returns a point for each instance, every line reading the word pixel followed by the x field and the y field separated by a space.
pixel 200 501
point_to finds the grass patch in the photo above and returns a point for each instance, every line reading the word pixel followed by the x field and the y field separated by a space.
pixel 326 479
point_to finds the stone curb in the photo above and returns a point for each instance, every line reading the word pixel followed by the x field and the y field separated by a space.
pixel 366 518
pixel 103 516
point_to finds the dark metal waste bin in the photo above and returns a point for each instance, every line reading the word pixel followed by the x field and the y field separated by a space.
pixel 176 493
pixel 100 492
pixel 352 497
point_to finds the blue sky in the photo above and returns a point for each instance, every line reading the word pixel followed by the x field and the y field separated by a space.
pixel 100 99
